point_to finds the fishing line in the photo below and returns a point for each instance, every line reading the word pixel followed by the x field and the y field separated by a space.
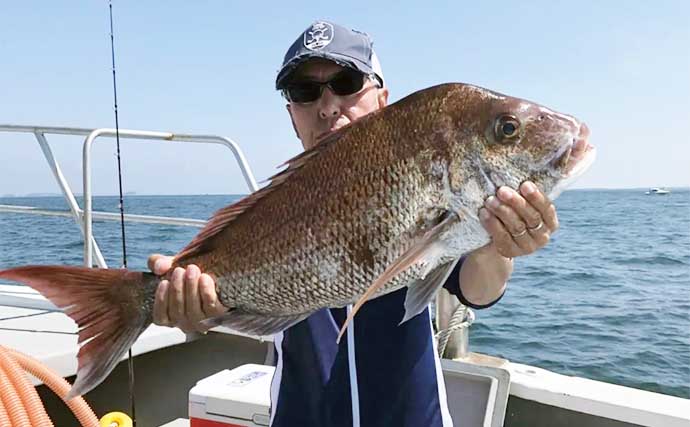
pixel 130 359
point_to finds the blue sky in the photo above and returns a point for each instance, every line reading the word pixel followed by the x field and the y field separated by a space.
pixel 208 67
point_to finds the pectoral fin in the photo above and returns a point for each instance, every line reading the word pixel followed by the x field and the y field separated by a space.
pixel 427 248
pixel 420 293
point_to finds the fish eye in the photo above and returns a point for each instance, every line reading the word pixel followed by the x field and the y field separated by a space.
pixel 506 128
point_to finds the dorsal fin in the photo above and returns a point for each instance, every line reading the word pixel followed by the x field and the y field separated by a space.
pixel 204 241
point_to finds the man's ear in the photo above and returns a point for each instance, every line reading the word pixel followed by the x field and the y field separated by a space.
pixel 383 97
pixel 287 106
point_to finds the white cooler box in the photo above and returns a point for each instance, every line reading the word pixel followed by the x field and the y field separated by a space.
pixel 237 398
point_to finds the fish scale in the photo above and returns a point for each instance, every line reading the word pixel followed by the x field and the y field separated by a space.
pixel 308 255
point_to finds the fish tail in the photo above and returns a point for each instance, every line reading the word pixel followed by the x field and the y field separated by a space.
pixel 112 307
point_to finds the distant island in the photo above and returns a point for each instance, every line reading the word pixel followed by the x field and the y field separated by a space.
pixel 42 195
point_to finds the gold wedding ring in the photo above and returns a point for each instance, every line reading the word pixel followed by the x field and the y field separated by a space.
pixel 538 227
pixel 522 233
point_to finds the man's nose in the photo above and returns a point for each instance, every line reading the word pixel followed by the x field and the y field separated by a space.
pixel 329 105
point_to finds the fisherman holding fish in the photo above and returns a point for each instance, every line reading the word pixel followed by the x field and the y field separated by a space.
pixel 385 205
pixel 384 374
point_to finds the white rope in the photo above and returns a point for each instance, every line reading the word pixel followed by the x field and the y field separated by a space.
pixel 462 318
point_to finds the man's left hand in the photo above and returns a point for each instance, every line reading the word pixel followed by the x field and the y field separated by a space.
pixel 519 223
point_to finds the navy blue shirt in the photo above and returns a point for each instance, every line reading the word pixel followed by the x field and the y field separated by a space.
pixel 390 377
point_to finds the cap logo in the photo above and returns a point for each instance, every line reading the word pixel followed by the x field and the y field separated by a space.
pixel 318 36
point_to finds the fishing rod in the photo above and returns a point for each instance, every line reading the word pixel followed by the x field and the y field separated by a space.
pixel 130 360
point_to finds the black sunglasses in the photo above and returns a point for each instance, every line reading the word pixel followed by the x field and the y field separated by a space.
pixel 345 82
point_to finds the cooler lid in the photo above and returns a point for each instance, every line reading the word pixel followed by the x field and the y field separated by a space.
pixel 242 393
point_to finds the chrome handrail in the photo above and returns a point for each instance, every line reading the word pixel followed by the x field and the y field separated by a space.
pixel 85 217
pixel 106 216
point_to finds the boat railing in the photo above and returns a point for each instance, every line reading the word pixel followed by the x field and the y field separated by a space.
pixel 84 217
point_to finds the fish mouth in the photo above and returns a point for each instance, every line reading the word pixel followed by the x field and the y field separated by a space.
pixel 574 158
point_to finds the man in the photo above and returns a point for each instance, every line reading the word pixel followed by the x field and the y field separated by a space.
pixel 384 374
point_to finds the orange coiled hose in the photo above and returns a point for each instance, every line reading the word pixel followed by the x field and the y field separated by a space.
pixel 19 396
pixel 59 385
pixel 4 416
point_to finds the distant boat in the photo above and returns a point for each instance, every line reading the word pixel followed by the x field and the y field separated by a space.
pixel 657 190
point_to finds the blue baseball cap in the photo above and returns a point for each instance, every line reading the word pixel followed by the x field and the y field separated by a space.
pixel 326 40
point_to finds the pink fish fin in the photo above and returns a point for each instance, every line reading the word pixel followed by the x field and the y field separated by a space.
pixel 427 248
pixel 112 307
pixel 420 293
pixel 254 323
pixel 205 240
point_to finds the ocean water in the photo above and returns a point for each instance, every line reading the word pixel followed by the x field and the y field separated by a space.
pixel 607 299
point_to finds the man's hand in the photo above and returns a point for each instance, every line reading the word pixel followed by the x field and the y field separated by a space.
pixel 519 223
pixel 185 298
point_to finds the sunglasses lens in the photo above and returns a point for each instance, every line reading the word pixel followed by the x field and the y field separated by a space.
pixel 304 92
pixel 347 83
pixel 344 83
